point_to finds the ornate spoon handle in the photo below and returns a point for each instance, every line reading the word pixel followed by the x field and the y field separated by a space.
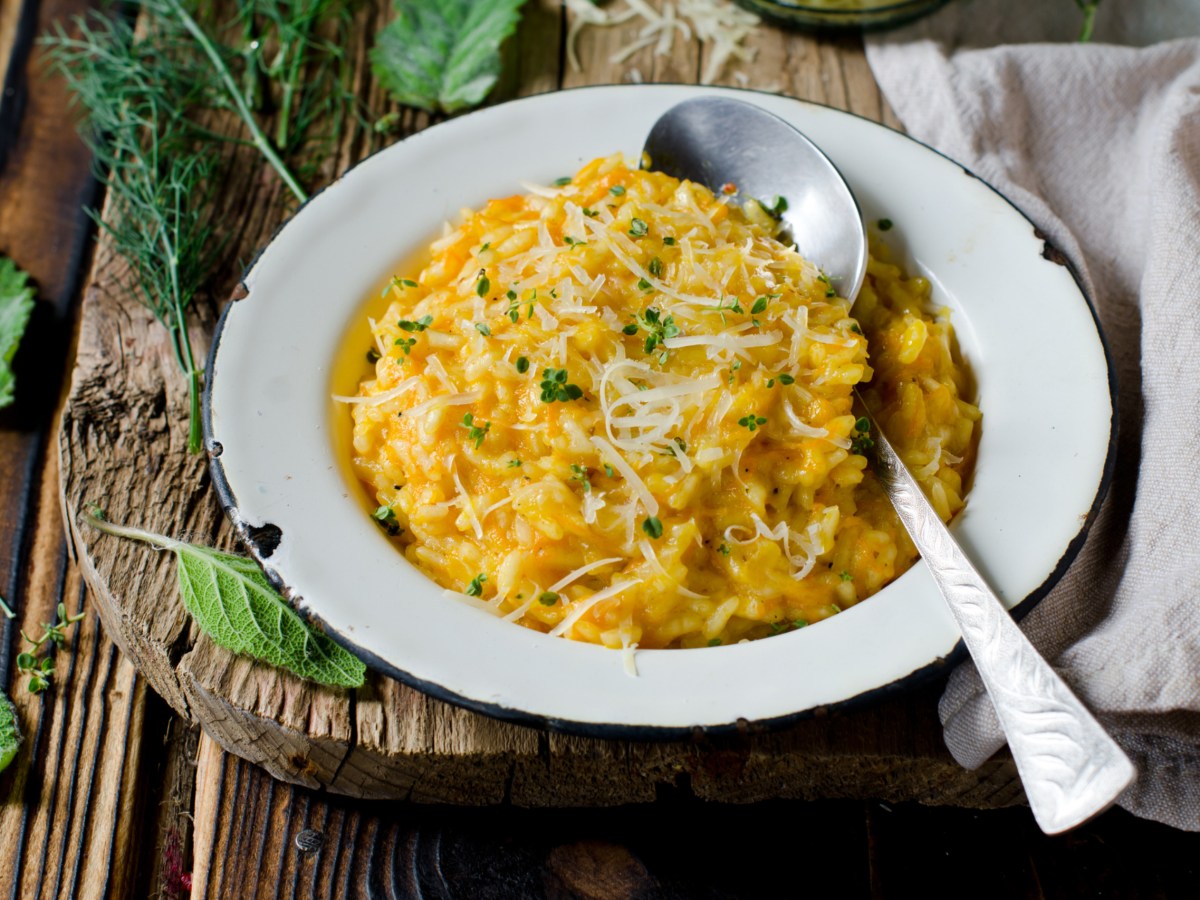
pixel 1070 767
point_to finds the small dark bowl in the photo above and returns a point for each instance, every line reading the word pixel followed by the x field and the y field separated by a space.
pixel 859 15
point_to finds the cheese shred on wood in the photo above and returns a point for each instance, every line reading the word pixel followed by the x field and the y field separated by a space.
pixel 618 409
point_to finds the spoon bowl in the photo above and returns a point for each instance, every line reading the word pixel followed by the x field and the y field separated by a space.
pixel 716 142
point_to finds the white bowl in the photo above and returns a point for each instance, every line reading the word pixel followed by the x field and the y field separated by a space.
pixel 1025 327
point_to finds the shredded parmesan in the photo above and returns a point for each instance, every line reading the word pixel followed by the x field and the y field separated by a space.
pixel 617 461
pixel 574 576
pixel 379 399
pixel 580 608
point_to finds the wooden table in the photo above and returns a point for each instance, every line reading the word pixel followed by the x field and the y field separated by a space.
pixel 115 794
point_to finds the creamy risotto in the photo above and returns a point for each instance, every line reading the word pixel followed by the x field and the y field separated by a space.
pixel 619 410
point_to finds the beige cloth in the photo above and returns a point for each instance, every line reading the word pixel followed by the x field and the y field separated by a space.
pixel 1100 145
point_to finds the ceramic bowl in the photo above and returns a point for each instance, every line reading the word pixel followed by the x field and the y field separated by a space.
pixel 275 435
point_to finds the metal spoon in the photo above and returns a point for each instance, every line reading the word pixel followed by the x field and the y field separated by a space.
pixel 1071 769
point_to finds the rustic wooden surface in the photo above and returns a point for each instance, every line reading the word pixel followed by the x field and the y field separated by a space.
pixel 113 785
pixel 122 446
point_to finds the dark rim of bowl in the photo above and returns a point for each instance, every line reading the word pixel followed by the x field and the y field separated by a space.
pixel 618 731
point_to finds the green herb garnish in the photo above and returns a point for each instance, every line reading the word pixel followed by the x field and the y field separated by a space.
pixel 885 224
pixel 785 378
pixel 522 365
pixel 514 464
pixel 475 432
pixel 752 422
pixel 232 602
pixel 10 732
pixel 386 517
pixel 655 267
pixel 547 598
pixel 483 329
pixel 555 386
pixel 419 325
pixel 580 474
pixel 714 642
pixel 638 228
pixel 16 305
pixel 861 443
pixel 562 182
pixel 658 330
pixel 653 527
pixel 475 588
pixel 443 54
pixel 617 190
pixel 482 286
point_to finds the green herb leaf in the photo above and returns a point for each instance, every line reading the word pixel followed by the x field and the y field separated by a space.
pixel 420 325
pixel 714 642
pixel 444 54
pixel 522 365
pixel 669 241
pixel 232 601
pixel 16 304
pixel 562 182
pixel 555 387
pixel 655 267
pixel 653 527
pixel 638 228
pixel 474 432
pixel 785 378
pixel 10 732
pixel 386 517
pixel 885 224
pixel 617 190
pixel 475 588
pixel 861 442
pixel 548 598
pixel 752 422
pixel 483 329
pixel 482 286
pixel 234 604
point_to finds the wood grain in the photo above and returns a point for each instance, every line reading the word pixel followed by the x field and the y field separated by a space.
pixel 122 446
pixel 260 838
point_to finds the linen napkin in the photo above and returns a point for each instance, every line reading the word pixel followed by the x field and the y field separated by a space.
pixel 1099 144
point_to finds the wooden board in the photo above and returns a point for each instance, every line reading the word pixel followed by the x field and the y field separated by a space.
pixel 122 446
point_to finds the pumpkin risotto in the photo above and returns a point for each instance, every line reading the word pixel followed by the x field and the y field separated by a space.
pixel 619 410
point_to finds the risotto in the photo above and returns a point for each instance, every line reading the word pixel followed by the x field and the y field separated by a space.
pixel 619 410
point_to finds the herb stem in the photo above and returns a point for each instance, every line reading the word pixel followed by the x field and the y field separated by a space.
pixel 157 541
pixel 239 102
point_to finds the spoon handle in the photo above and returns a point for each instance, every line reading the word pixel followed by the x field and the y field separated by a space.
pixel 1070 767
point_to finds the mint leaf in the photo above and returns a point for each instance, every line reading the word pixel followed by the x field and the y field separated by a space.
pixel 234 604
pixel 444 54
pixel 16 303
pixel 10 732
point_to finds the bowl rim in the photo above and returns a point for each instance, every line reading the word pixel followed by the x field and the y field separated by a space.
pixel 262 541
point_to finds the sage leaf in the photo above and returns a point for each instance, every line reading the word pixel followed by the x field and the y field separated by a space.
pixel 443 54
pixel 10 732
pixel 233 603
pixel 16 303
